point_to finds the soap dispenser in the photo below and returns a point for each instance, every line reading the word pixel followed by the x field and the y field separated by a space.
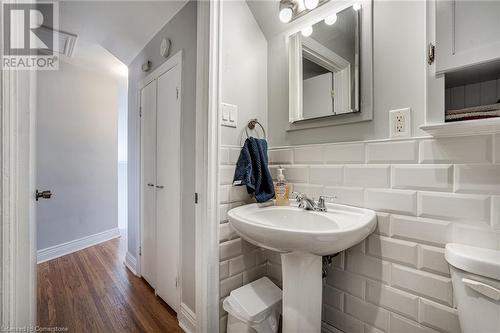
pixel 281 189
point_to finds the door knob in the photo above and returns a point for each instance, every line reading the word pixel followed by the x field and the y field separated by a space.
pixel 160 186
pixel 43 194
pixel 150 185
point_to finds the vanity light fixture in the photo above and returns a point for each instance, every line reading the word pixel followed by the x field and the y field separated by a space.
pixel 306 32
pixel 287 8
pixel 311 4
pixel 356 6
pixel 286 14
pixel 330 20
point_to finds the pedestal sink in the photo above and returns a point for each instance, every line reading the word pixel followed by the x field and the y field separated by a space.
pixel 302 237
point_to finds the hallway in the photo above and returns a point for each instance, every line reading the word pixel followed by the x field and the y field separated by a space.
pixel 92 291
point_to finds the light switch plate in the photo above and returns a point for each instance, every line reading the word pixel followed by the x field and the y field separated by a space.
pixel 229 115
pixel 400 123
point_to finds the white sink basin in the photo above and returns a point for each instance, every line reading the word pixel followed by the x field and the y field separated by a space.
pixel 302 237
pixel 289 228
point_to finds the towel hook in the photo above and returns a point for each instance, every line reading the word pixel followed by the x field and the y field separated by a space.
pixel 251 125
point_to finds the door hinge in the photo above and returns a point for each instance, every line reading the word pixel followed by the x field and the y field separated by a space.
pixel 196 197
pixel 431 53
pixel 140 250
pixel 177 92
pixel 140 111
pixel 176 282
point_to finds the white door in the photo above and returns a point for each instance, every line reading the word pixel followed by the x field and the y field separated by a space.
pixel 168 186
pixel 148 182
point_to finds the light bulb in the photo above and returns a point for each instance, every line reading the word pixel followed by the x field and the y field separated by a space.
pixel 311 4
pixel 331 19
pixel 286 14
pixel 356 6
pixel 306 32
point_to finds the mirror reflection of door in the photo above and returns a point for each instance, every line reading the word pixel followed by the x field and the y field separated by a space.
pixel 330 66
pixel 318 90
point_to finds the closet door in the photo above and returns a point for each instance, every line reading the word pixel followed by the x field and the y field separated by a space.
pixel 148 182
pixel 168 186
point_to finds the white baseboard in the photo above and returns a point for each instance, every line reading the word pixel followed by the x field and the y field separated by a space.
pixel 131 263
pixel 187 319
pixel 60 250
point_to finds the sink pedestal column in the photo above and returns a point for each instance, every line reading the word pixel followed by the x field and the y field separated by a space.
pixel 302 292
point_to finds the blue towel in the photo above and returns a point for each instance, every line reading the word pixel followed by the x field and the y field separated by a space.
pixel 252 170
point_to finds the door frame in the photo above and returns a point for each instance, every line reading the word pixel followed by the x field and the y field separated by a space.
pixel 17 203
pixel 170 63
pixel 207 165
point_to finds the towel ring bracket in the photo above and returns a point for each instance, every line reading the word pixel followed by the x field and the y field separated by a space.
pixel 251 125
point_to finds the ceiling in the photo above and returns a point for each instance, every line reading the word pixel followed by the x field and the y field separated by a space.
pixel 121 28
pixel 266 15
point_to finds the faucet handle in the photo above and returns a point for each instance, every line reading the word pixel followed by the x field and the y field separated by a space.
pixel 321 200
pixel 297 195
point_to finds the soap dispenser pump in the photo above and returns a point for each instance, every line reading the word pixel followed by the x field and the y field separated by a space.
pixel 281 189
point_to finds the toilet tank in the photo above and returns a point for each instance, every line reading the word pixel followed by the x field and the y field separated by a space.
pixel 475 274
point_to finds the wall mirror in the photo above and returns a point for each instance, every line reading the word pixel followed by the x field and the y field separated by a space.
pixel 326 61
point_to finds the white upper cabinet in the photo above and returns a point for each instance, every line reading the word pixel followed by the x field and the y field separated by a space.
pixel 467 33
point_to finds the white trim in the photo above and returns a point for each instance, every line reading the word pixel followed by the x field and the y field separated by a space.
pixel 187 319
pixel 17 222
pixel 167 65
pixel 63 249
pixel 420 137
pixel 464 127
pixel 207 163
pixel 131 263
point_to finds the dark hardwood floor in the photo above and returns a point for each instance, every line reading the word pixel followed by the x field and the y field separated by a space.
pixel 92 291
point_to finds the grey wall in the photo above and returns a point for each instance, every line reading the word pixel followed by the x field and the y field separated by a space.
pixel 244 69
pixel 399 78
pixel 244 83
pixel 182 32
pixel 76 138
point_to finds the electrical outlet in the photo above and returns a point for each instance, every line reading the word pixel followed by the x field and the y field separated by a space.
pixel 400 122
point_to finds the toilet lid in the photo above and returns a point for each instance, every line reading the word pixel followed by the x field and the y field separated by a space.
pixel 254 301
pixel 475 260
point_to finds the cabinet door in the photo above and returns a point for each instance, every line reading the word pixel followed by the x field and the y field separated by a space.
pixel 148 182
pixel 467 33
pixel 168 194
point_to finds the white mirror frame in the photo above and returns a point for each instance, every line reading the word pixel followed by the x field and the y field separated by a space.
pixel 295 46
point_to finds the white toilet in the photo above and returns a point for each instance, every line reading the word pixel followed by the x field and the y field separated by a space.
pixel 475 274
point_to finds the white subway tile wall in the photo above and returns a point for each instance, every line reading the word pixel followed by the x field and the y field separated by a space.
pixel 427 192
pixel 240 261
pixel 392 152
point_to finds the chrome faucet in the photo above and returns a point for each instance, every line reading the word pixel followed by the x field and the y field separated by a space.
pixel 309 204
